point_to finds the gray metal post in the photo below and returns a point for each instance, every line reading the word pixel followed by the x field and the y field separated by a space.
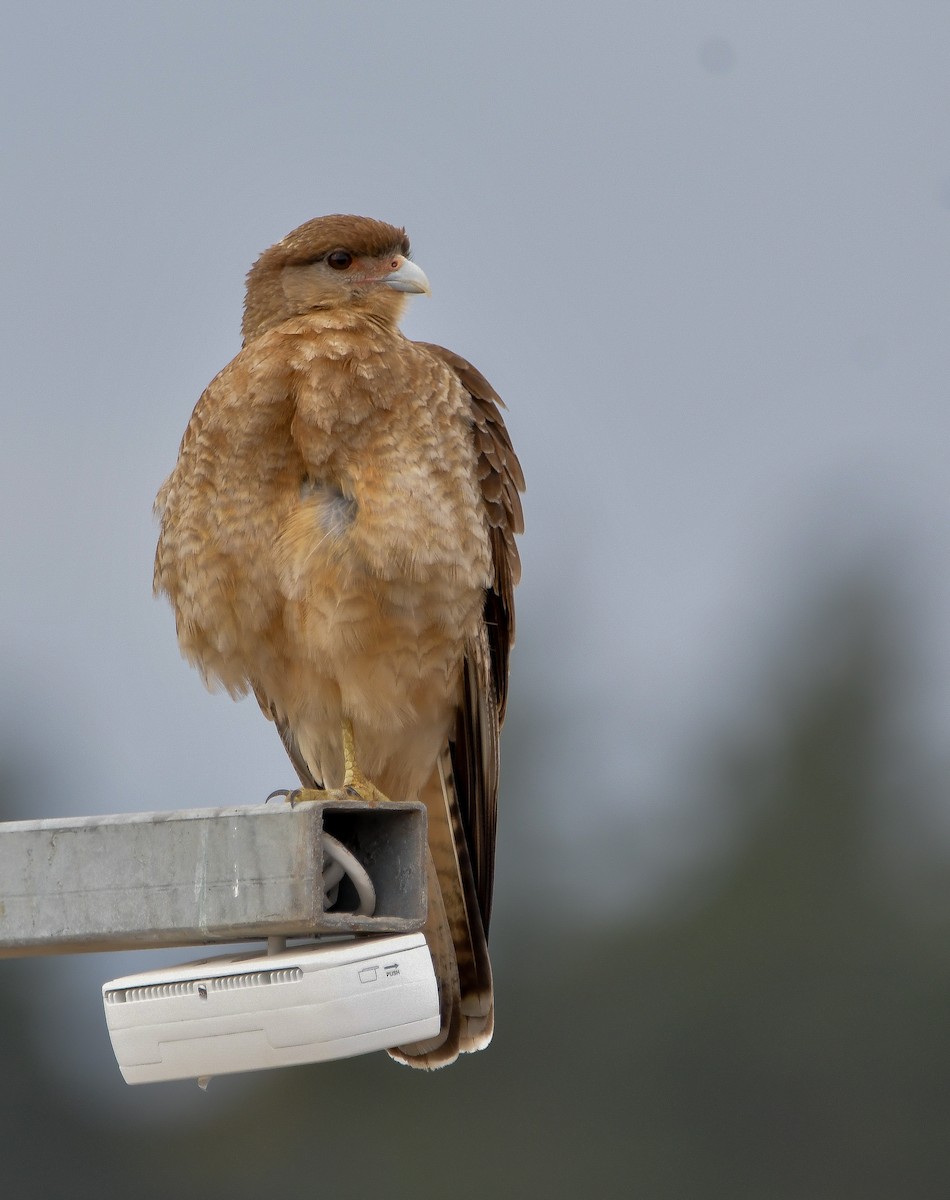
pixel 204 875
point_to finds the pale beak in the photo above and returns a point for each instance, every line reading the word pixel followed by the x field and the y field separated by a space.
pixel 407 277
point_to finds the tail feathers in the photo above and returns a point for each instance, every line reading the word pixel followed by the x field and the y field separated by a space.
pixel 456 938
pixel 444 1047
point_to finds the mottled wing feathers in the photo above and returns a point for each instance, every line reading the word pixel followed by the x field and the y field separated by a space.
pixel 485 679
pixel 501 480
pixel 474 747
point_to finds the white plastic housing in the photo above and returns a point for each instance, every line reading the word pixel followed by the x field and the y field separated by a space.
pixel 249 1012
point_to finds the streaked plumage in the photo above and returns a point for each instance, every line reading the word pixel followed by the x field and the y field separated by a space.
pixel 338 538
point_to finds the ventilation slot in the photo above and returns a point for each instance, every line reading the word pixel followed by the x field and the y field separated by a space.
pixel 246 979
pixel 203 987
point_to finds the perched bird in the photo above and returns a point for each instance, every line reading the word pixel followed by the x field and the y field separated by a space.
pixel 337 537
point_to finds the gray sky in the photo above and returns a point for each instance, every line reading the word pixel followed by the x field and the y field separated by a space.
pixel 699 247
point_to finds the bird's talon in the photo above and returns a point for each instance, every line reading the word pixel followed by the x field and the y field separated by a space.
pixel 295 796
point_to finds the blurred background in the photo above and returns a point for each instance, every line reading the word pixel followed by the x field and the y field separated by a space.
pixel 701 248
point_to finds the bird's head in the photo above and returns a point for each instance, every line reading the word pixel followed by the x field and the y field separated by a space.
pixel 332 262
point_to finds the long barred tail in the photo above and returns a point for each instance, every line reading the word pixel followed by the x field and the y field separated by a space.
pixel 455 934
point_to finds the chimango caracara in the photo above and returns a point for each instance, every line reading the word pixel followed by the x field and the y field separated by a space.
pixel 337 537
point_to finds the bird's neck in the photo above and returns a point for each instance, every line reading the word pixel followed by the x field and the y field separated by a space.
pixel 378 308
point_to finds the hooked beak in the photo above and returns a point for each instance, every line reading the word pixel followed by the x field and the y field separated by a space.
pixel 407 277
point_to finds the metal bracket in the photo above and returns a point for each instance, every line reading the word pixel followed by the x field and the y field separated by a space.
pixel 204 875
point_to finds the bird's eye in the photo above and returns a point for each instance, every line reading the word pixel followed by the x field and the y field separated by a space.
pixel 339 260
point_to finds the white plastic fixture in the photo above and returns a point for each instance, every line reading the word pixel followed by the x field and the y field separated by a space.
pixel 250 1012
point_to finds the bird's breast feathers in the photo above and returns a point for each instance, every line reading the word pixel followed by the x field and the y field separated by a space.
pixel 385 436
pixel 358 447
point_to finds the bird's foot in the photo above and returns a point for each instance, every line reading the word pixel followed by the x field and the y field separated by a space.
pixel 357 787
pixel 295 796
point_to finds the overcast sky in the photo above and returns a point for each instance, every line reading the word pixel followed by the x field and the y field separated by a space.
pixel 701 249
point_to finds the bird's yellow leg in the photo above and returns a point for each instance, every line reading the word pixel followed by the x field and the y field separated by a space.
pixel 354 781
pixel 355 784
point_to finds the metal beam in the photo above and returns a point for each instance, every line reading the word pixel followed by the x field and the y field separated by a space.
pixel 203 876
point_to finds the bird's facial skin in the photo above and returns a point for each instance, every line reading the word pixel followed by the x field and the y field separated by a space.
pixel 342 278
pixel 392 270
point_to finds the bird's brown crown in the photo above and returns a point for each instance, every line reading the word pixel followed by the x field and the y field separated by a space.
pixel 360 235
pixel 289 278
